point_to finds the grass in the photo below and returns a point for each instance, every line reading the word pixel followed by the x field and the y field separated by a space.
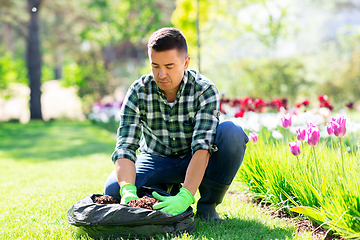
pixel 48 166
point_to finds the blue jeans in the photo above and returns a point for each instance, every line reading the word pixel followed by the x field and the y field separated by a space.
pixel 154 170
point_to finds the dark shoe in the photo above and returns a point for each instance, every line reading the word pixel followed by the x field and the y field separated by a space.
pixel 212 194
pixel 207 212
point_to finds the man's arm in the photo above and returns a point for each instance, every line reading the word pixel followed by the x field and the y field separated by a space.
pixel 125 174
pixel 196 170
pixel 128 134
pixel 125 171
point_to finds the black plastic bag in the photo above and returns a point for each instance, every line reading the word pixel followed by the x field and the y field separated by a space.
pixel 119 220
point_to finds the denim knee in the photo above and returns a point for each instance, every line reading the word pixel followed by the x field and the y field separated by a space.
pixel 223 164
pixel 111 186
pixel 231 137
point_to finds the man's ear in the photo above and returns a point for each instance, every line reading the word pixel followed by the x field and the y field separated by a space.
pixel 187 61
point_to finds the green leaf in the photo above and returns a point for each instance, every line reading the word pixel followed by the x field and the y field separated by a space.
pixel 311 212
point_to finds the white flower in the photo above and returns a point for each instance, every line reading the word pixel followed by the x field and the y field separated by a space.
pixel 277 134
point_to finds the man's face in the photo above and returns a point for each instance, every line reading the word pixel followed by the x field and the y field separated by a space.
pixel 168 69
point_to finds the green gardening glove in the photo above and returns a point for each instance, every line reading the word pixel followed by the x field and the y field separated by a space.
pixel 174 204
pixel 128 193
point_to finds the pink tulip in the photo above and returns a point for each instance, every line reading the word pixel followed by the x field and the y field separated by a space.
pixel 339 126
pixel 253 136
pixel 294 148
pixel 282 110
pixel 301 134
pixel 313 136
pixel 286 121
pixel 329 129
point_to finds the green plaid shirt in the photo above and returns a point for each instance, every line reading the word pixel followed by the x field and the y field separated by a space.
pixel 149 124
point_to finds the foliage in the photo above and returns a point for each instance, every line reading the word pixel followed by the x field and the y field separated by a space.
pixel 88 74
pixel 131 24
pixel 241 39
pixel 67 26
pixel 185 16
pixel 264 77
pixel 117 21
pixel 221 25
pixel 211 14
pixel 12 70
pixel 340 73
pixel 244 45
pixel 331 199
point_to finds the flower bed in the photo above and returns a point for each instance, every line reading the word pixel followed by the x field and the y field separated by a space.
pixel 320 180
pixel 299 159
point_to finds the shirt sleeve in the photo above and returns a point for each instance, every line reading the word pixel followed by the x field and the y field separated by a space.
pixel 129 131
pixel 206 121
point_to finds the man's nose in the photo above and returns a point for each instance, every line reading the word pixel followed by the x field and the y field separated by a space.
pixel 162 73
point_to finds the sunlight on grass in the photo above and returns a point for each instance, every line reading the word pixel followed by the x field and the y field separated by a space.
pixel 46 167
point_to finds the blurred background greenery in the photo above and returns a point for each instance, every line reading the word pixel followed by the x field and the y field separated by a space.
pixel 292 49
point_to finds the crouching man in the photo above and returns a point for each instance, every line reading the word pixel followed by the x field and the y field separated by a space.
pixel 171 116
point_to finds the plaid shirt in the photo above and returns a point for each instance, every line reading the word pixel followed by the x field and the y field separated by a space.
pixel 149 124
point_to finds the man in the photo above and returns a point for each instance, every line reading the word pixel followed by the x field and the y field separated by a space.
pixel 172 117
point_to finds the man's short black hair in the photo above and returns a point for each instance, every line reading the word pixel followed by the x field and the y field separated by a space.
pixel 167 39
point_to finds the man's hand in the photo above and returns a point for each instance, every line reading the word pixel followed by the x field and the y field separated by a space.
pixel 174 204
pixel 128 192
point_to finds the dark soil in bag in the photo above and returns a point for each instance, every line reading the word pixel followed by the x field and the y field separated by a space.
pixel 103 217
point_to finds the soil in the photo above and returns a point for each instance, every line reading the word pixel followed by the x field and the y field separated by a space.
pixel 144 202
pixel 105 200
pixel 301 224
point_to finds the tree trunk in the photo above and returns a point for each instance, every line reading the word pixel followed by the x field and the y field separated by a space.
pixel 59 46
pixel 59 64
pixel 8 39
pixel 33 58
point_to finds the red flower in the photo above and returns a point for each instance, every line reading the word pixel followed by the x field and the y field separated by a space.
pixel 224 100
pixel 326 104
pixel 240 113
pixel 322 98
pixel 259 105
pixel 276 103
pixel 246 101
pixel 298 105
pixel 306 102
pixel 250 109
pixel 284 102
pixel 235 102
pixel 222 108
pixel 350 105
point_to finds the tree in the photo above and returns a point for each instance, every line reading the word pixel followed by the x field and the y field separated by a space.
pixel 55 38
pixel 117 37
pixel 33 57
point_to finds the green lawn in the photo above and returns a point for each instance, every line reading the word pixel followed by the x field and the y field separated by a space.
pixel 48 166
